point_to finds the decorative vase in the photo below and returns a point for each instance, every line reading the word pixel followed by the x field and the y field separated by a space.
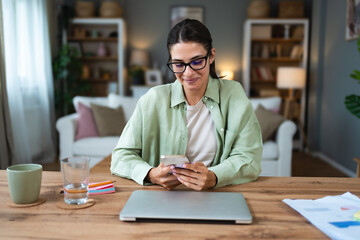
pixel 258 9
pixel 110 9
pixel 101 51
pixel 85 72
pixel 84 9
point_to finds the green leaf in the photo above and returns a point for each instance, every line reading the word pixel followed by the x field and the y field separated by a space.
pixel 356 75
pixel 352 103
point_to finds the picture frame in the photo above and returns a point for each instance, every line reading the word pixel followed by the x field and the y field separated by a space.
pixel 352 20
pixel 179 13
pixel 153 77
pixel 77 46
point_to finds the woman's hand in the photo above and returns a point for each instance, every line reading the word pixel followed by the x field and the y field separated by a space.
pixel 195 176
pixel 162 176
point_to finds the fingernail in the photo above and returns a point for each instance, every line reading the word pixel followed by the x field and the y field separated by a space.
pixel 172 167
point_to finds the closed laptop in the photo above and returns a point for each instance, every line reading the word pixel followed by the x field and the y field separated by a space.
pixel 186 206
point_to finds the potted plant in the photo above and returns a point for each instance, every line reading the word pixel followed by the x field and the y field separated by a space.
pixel 67 69
pixel 352 103
pixel 137 75
pixel 67 66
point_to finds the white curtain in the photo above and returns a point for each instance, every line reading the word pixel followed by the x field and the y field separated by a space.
pixel 29 80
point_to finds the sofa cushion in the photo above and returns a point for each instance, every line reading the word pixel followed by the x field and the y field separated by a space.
pixel 269 121
pixel 270 103
pixel 270 151
pixel 128 104
pixel 86 126
pixel 109 121
pixel 103 101
pixel 95 146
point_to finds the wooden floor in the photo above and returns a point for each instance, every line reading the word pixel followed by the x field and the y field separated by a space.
pixel 303 165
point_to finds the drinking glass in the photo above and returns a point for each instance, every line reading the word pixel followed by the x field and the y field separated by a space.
pixel 75 171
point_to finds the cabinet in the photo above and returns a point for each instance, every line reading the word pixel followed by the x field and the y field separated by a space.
pixel 269 44
pixel 101 43
pixel 139 90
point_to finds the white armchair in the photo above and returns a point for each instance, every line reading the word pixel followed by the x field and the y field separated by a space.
pixel 277 152
pixel 276 158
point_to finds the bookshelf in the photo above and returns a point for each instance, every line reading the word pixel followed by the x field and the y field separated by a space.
pixel 105 73
pixel 269 44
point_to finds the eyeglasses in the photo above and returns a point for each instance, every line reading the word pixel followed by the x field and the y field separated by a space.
pixel 180 67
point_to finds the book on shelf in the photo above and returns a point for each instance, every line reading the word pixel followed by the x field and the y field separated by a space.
pixel 268 92
pixel 261 32
pixel 297 51
pixel 262 73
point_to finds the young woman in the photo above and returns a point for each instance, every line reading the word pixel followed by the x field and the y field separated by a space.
pixel 208 119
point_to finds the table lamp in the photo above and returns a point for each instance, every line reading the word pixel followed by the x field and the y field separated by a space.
pixel 290 78
pixel 227 74
pixel 139 58
pixel 139 62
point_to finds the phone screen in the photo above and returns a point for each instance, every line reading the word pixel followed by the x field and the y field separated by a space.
pixel 176 160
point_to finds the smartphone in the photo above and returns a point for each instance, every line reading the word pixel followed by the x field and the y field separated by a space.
pixel 176 160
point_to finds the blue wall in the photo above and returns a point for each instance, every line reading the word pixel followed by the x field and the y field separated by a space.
pixel 148 23
pixel 333 131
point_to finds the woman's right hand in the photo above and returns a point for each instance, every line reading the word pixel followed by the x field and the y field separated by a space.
pixel 162 176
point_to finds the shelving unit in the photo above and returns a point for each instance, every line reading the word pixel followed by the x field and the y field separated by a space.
pixel 255 56
pixel 106 73
pixel 269 44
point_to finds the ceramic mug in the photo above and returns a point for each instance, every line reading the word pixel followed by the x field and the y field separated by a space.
pixel 24 182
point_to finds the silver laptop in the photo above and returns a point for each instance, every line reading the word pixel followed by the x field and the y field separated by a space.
pixel 186 206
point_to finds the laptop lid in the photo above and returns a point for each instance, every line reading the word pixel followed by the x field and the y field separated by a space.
pixel 185 206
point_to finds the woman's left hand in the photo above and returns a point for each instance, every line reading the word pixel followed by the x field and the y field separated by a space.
pixel 195 176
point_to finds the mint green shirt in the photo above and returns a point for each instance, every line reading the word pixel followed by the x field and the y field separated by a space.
pixel 158 127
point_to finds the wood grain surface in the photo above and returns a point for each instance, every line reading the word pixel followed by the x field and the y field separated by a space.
pixel 273 219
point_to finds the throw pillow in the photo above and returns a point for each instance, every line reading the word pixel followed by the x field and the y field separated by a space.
pixel 86 126
pixel 128 103
pixel 269 121
pixel 109 121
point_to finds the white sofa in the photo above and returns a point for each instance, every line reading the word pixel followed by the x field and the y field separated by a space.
pixel 276 160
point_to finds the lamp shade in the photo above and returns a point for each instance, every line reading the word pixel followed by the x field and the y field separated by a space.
pixel 229 75
pixel 139 58
pixel 291 77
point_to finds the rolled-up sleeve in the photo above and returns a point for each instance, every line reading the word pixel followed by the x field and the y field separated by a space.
pixel 244 148
pixel 126 160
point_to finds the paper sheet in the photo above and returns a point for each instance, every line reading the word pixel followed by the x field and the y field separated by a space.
pixel 333 215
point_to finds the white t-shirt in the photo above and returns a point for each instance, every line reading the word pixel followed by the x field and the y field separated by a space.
pixel 202 143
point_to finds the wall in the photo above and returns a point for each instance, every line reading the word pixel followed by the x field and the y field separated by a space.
pixel 333 131
pixel 148 23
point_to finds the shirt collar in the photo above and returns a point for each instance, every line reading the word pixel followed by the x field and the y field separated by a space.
pixel 177 93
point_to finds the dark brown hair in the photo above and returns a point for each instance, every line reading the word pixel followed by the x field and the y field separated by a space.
pixel 190 30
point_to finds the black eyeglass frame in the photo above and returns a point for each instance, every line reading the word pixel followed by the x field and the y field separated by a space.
pixel 189 63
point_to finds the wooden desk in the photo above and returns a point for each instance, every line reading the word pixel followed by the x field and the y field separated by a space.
pixel 272 218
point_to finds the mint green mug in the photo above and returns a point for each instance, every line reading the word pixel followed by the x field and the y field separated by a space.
pixel 24 182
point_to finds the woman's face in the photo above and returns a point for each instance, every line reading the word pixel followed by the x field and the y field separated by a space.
pixel 193 81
